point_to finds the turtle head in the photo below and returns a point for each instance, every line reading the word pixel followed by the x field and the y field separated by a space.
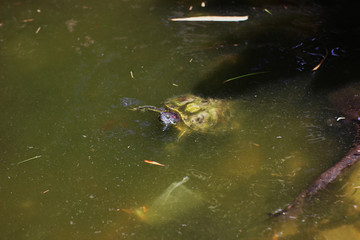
pixel 169 118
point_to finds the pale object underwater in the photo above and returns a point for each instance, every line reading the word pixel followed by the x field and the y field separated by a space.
pixel 176 201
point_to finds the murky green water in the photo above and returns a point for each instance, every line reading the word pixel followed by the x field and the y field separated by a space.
pixel 72 154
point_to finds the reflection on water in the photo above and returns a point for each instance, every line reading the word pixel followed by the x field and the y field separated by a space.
pixel 65 93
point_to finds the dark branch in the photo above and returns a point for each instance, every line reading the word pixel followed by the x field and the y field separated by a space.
pixel 325 178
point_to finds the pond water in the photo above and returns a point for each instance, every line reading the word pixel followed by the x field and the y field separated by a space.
pixel 72 154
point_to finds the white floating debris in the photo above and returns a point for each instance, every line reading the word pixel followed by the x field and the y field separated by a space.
pixel 340 118
pixel 212 19
pixel 37 30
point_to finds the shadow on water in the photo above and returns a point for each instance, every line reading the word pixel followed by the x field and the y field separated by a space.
pixel 292 40
pixel 285 48
pixel 282 45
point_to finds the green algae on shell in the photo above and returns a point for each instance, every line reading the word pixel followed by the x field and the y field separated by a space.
pixel 202 114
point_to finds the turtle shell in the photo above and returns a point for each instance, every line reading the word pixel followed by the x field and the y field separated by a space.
pixel 201 114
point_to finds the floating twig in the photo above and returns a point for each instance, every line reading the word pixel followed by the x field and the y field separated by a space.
pixel 37 30
pixel 326 54
pixel 154 163
pixel 242 76
pixel 266 10
pixel 29 159
pixel 212 19
pixel 28 20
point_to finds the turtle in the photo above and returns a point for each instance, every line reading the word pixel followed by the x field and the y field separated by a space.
pixel 191 112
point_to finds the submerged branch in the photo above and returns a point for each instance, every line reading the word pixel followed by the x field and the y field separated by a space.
pixel 323 180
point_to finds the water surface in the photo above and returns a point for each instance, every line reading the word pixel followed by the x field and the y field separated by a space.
pixel 72 154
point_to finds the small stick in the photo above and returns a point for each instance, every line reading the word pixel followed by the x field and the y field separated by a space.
pixel 245 75
pixel 28 20
pixel 212 19
pixel 29 159
pixel 154 163
pixel 317 67
pixel 37 31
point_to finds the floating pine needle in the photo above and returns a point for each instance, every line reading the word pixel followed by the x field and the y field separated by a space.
pixel 154 163
pixel 242 76
pixel 29 159
pixel 266 10
pixel 28 20
pixel 212 19
pixel 326 54
pixel 37 31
